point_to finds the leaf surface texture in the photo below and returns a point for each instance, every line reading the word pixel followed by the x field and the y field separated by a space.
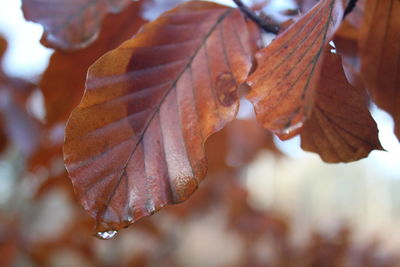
pixel 283 84
pixel 340 128
pixel 136 141
pixel 380 55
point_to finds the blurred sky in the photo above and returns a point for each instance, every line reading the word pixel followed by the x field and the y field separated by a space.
pixel 27 58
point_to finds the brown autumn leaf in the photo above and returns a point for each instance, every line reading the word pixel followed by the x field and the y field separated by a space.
pixel 70 25
pixel 284 82
pixel 63 82
pixel 135 142
pixel 340 128
pixel 380 55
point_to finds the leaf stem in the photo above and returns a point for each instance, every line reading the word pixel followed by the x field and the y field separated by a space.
pixel 273 28
pixel 349 8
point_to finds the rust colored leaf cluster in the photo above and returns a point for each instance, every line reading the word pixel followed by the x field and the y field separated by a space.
pixel 135 142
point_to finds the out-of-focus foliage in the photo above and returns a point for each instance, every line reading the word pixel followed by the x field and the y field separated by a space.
pixel 70 25
pixel 217 227
pixel 63 82
pixel 16 124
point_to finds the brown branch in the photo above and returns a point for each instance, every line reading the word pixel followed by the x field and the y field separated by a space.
pixel 273 28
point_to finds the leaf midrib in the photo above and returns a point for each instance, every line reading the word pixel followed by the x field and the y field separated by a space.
pixel 123 169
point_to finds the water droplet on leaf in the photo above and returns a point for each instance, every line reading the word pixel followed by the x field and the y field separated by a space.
pixel 107 234
pixel 290 131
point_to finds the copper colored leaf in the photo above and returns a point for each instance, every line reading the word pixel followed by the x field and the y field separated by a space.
pixel 70 25
pixel 63 82
pixel 380 55
pixel 340 128
pixel 135 142
pixel 284 82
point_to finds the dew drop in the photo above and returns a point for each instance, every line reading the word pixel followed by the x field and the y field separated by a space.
pixel 107 234
pixel 150 206
pixel 292 128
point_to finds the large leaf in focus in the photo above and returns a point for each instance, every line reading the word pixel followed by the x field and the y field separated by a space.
pixel 70 24
pixel 284 82
pixel 380 55
pixel 340 128
pixel 135 142
pixel 63 82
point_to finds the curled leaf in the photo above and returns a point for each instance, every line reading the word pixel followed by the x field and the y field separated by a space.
pixel 135 142
pixel 70 25
pixel 284 82
pixel 340 128
pixel 63 82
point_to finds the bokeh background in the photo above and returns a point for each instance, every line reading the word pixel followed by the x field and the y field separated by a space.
pixel 263 203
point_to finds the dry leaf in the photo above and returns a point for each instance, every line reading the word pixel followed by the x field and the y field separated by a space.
pixel 70 25
pixel 284 82
pixel 63 82
pixel 380 55
pixel 135 142
pixel 340 128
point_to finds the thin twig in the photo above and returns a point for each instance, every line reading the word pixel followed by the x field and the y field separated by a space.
pixel 260 22
pixel 349 8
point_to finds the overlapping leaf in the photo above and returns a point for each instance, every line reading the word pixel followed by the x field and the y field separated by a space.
pixel 70 25
pixel 63 82
pixel 135 142
pixel 284 82
pixel 380 55
pixel 340 128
